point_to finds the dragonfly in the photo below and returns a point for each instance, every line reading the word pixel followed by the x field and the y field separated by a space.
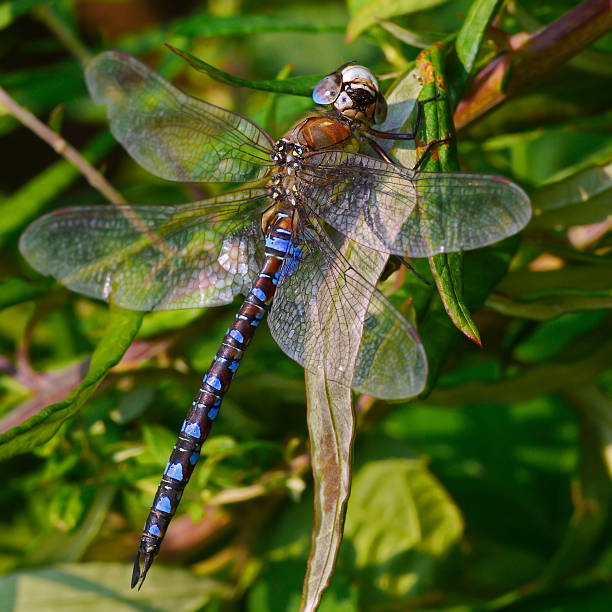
pixel 297 241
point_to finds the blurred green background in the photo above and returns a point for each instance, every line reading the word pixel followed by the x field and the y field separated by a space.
pixel 492 493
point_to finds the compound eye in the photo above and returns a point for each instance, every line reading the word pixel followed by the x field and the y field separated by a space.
pixel 328 89
pixel 380 111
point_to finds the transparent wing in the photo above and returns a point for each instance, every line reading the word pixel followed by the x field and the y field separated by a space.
pixel 171 134
pixel 327 315
pixel 153 257
pixel 417 214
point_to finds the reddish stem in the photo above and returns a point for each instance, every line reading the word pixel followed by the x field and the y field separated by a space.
pixel 534 56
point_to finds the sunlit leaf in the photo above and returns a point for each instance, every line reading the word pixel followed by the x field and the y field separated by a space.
pixel 421 40
pixel 472 34
pixel 402 525
pixel 372 10
pixel 301 86
pixel 331 427
pixel 447 268
pixel 99 587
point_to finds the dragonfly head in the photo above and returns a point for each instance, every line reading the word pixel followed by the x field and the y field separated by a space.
pixel 353 91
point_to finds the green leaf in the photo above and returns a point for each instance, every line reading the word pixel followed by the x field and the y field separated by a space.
pixel 29 201
pixel 331 427
pixel 18 290
pixel 202 25
pixel 401 524
pixel 470 37
pixel 9 11
pixel 483 269
pixel 299 86
pixel 401 101
pixel 551 293
pixel 421 40
pixel 575 198
pixel 120 331
pixel 243 25
pixel 369 12
pixel 100 587
pixel 447 268
pixel 70 547
pixel 541 309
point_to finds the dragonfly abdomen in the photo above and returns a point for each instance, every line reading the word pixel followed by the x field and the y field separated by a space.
pixel 207 403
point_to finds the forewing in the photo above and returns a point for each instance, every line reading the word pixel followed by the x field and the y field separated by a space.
pixel 412 214
pixel 171 134
pixel 153 257
pixel 327 315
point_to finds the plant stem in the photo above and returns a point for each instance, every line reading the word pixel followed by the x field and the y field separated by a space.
pixel 62 32
pixel 532 57
pixel 62 147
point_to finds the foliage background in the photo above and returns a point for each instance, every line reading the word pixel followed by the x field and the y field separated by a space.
pixel 490 493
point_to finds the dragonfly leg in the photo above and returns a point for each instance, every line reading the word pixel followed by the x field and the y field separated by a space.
pixel 405 263
pixel 428 148
pixel 380 151
pixel 405 135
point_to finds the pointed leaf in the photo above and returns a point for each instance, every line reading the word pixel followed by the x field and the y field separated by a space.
pixel 447 268
pixel 471 36
pixel 120 330
pixel 421 40
pixel 369 12
pixel 300 86
pixel 331 427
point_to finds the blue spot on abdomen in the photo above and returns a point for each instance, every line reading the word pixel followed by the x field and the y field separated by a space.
pixel 175 471
pixel 153 531
pixel 278 244
pixel 213 381
pixel 192 429
pixel 163 504
pixel 259 294
pixel 236 335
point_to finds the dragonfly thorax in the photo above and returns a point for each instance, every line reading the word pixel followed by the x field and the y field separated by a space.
pixel 287 156
pixel 286 153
